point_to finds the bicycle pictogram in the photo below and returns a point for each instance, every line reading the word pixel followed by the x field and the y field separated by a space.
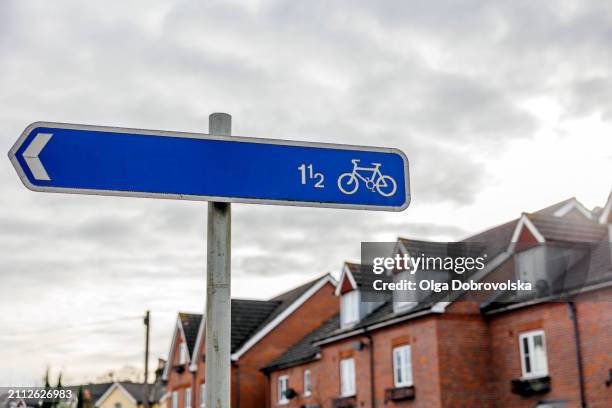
pixel 348 183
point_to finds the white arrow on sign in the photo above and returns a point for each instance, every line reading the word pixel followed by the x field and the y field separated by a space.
pixel 31 156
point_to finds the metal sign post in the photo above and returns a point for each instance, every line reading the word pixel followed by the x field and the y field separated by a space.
pixel 218 289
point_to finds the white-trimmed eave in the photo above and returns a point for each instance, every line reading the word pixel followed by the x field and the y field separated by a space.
pixel 110 390
pixel 179 327
pixel 193 366
pixel 278 319
pixel 606 211
pixel 526 222
pixel 346 272
pixel 573 204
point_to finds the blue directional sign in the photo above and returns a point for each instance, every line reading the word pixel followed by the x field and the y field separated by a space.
pixel 54 157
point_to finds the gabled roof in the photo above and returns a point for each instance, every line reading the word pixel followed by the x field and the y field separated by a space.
pixel 354 276
pixel 567 230
pixel 190 323
pixel 110 390
pixel 552 223
pixel 605 216
pixel 133 391
pixel 187 324
pixel 247 317
pixel 593 270
pixel 252 319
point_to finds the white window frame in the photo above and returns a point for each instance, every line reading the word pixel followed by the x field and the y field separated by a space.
pixel 283 386
pixel 187 398
pixel 203 395
pixel 349 307
pixel 307 383
pixel 183 353
pixel 404 370
pixel 174 399
pixel 530 336
pixel 347 377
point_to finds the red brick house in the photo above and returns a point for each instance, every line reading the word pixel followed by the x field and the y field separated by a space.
pixel 549 349
pixel 261 331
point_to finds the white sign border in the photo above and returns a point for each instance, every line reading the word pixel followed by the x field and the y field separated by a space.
pixel 121 193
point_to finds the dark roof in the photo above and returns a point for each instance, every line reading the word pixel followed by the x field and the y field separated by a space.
pixel 304 350
pixel 552 209
pixel 255 316
pixel 136 390
pixel 364 278
pixel 567 230
pixel 492 241
pixel 191 325
pixel 495 239
pixel 286 299
pixel 247 317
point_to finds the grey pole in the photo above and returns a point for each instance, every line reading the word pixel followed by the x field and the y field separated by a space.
pixel 218 284
pixel 145 388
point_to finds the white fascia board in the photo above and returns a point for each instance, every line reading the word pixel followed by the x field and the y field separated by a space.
pixel 573 204
pixel 278 319
pixel 179 327
pixel 193 365
pixel 526 222
pixel 346 272
pixel 109 391
pixel 606 211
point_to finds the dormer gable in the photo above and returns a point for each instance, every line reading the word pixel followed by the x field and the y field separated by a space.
pixel 606 214
pixel 353 282
pixel 573 209
pixel 526 233
pixel 182 345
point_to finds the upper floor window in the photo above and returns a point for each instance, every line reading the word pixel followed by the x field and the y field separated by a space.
pixel 174 399
pixel 307 385
pixel 283 386
pixel 402 366
pixel 349 308
pixel 117 405
pixel 531 264
pixel 202 395
pixel 187 398
pixel 533 354
pixel 347 377
pixel 183 353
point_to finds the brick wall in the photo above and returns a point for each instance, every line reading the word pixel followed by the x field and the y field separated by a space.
pixel 178 381
pixel 253 386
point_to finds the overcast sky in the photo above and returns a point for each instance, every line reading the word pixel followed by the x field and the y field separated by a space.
pixel 501 108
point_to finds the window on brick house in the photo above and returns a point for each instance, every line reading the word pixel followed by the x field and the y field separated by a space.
pixel 183 353
pixel 402 366
pixel 174 399
pixel 347 377
pixel 187 398
pixel 534 362
pixel 307 386
pixel 202 395
pixel 349 308
pixel 283 385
